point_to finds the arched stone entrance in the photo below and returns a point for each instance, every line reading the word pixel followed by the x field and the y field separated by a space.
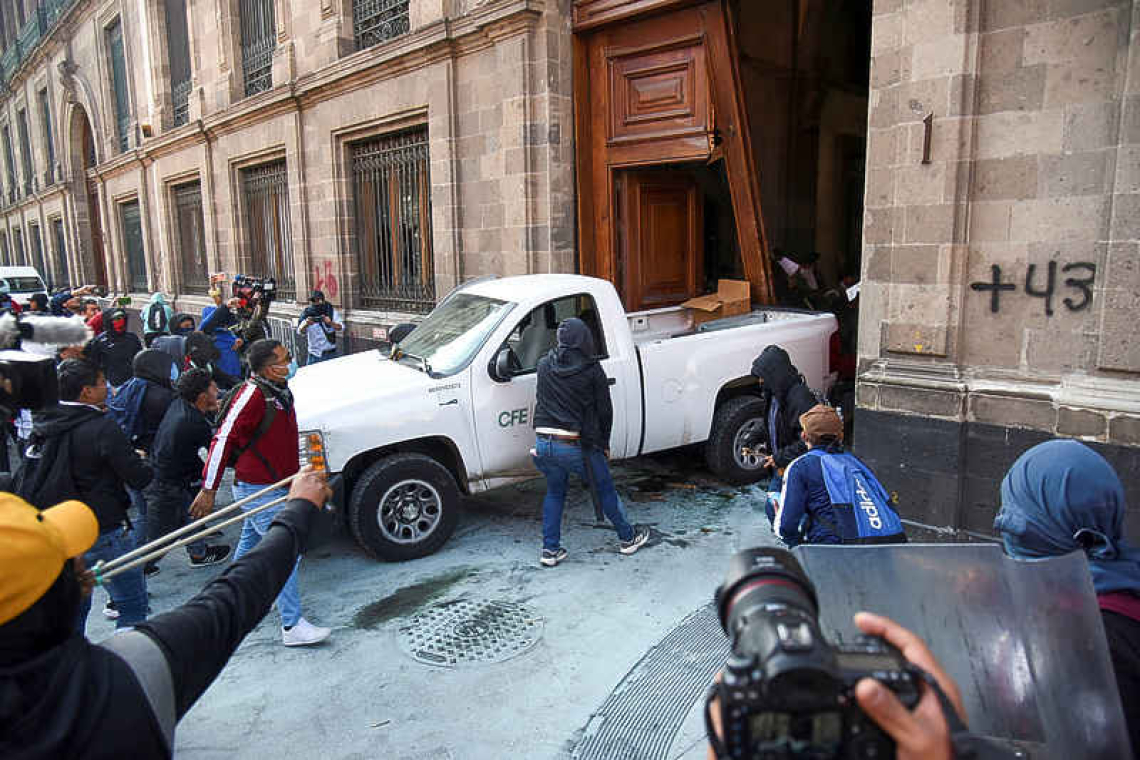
pixel 89 230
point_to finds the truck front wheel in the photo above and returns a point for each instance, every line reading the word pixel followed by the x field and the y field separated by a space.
pixel 403 507
pixel 738 443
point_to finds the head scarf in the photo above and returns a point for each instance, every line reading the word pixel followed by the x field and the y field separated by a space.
pixel 1061 497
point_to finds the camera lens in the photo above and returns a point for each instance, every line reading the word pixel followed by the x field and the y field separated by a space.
pixel 758 578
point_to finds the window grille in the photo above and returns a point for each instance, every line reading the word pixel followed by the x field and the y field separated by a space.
pixel 62 271
pixel 20 259
pixel 269 241
pixel 133 242
pixel 5 254
pixel 39 261
pixel 258 40
pixel 374 21
pixel 178 52
pixel 49 144
pixel 25 149
pixel 393 222
pixel 10 166
pixel 119 82
pixel 191 240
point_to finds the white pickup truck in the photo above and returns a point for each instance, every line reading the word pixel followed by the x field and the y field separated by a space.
pixel 452 412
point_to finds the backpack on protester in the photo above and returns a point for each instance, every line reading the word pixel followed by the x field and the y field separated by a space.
pixel 44 479
pixel 258 433
pixel 156 320
pixel 125 407
pixel 862 507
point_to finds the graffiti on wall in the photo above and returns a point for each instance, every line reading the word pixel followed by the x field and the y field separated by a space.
pixel 1042 282
pixel 325 281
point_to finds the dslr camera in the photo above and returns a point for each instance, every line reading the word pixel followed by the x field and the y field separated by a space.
pixel 254 291
pixel 28 380
pixel 786 691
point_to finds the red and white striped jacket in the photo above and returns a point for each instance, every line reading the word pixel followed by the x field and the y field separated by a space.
pixel 278 446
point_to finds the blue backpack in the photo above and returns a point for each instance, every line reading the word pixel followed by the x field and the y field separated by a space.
pixel 125 407
pixel 863 511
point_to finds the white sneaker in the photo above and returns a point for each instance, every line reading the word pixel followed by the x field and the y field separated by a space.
pixel 303 634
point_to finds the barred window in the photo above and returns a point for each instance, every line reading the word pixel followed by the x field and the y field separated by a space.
pixel 5 254
pixel 114 35
pixel 39 261
pixel 133 242
pixel 10 166
pixel 374 21
pixel 49 144
pixel 191 240
pixel 393 222
pixel 62 271
pixel 258 40
pixel 25 150
pixel 19 259
pixel 178 53
pixel 269 243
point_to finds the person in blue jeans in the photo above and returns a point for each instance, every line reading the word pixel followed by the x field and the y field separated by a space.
pixel 83 455
pixel 573 418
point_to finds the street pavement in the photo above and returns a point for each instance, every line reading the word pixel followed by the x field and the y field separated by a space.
pixel 360 695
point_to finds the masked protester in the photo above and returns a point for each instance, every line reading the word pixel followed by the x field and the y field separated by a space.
pixel 38 303
pixel 203 353
pixel 258 438
pixel 1061 497
pixel 175 344
pixel 319 323
pixel 114 351
pixel 573 418
pixel 62 696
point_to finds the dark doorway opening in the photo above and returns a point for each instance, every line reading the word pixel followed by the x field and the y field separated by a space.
pixel 90 256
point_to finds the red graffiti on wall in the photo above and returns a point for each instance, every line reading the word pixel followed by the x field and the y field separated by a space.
pixel 326 281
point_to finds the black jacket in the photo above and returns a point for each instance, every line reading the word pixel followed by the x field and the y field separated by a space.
pixel 153 366
pixel 174 455
pixel 573 391
pixel 102 459
pixel 784 384
pixel 114 351
pixel 78 700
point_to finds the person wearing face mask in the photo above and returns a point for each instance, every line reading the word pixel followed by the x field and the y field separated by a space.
pixel 257 436
pixel 114 351
pixel 1061 497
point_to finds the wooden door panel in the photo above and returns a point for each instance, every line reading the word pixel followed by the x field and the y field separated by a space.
pixel 658 93
pixel 664 255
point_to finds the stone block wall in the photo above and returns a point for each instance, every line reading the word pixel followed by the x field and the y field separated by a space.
pixel 1002 275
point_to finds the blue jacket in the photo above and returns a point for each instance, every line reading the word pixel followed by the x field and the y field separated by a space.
pixel 805 496
pixel 215 320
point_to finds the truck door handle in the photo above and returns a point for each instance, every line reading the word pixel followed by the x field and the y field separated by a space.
pixel 611 381
pixel 452 402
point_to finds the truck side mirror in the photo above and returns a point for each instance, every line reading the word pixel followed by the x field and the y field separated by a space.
pixel 505 365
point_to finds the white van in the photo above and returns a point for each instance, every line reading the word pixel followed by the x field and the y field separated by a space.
pixel 22 282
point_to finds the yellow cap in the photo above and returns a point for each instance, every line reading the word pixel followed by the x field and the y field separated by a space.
pixel 34 545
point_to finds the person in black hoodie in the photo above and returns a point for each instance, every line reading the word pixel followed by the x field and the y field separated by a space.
pixel 157 369
pixel 64 697
pixel 788 397
pixel 101 461
pixel 573 418
pixel 114 351
pixel 178 468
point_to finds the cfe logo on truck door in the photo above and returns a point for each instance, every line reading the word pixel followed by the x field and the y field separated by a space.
pixel 514 417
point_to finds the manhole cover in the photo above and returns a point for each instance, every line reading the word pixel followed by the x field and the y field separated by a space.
pixel 468 632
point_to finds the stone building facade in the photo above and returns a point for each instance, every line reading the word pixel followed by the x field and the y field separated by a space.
pixel 1001 261
pixel 380 151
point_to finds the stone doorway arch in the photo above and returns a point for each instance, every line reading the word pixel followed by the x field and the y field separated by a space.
pixel 91 256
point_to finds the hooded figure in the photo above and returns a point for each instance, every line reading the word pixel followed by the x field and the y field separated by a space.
pixel 175 343
pixel 215 320
pixel 573 419
pixel 157 369
pixel 203 353
pixel 1061 497
pixel 788 398
pixel 114 350
pixel 157 318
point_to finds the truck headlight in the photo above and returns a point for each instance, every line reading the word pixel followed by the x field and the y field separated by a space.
pixel 311 448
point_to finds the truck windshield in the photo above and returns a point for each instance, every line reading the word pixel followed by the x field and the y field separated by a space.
pixel 448 339
pixel 24 284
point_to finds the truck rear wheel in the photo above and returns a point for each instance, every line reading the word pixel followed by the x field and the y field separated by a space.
pixel 403 507
pixel 738 444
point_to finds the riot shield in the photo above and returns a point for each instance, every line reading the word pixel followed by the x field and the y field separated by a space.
pixel 1024 640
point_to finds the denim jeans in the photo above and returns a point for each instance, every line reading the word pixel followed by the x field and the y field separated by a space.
pixel 318 358
pixel 138 516
pixel 252 529
pixel 128 590
pixel 557 460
